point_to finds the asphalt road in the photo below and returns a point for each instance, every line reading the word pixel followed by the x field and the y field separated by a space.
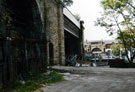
pixel 90 79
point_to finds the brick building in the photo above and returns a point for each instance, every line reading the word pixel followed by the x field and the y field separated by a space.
pixel 98 46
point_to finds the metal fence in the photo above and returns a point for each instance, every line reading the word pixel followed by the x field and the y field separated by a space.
pixel 22 40
pixel 20 57
pixel 1 76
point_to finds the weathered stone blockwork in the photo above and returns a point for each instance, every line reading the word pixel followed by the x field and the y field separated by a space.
pixel 53 17
pixel 55 29
pixel 37 37
pixel 22 40
pixel 55 32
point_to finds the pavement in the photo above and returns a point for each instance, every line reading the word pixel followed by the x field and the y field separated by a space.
pixel 94 79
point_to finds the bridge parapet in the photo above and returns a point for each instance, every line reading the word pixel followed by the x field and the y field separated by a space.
pixel 70 16
pixel 71 24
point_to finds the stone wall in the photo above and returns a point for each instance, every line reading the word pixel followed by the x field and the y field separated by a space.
pixel 43 23
pixel 53 11
pixel 52 17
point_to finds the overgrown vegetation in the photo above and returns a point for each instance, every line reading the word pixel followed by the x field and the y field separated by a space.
pixel 118 17
pixel 77 16
pixel 118 50
pixel 36 81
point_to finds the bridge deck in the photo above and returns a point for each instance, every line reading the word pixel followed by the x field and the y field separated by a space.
pixel 70 16
pixel 70 23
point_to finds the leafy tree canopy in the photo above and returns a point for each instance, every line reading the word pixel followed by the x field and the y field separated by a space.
pixel 118 17
pixel 117 49
pixel 128 37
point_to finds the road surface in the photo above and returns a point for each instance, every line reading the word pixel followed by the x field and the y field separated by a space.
pixel 92 79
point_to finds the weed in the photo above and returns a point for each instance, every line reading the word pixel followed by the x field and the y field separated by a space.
pixel 35 82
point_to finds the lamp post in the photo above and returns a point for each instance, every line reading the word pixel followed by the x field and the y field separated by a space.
pixel 95 60
pixel 120 52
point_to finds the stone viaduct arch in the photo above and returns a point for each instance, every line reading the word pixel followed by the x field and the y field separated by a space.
pixel 39 31
pixel 22 40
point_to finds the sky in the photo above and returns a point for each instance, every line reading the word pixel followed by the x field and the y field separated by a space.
pixel 89 11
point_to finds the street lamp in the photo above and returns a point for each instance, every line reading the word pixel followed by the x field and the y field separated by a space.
pixel 120 52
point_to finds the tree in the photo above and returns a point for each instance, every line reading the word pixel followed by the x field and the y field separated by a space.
pixel 118 16
pixel 117 50
pixel 128 37
pixel 68 2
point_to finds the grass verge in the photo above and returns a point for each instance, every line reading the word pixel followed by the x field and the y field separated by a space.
pixel 38 81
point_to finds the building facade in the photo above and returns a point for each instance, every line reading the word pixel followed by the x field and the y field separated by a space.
pixel 98 47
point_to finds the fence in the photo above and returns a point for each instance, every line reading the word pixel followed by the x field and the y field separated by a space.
pixel 22 40
pixel 20 57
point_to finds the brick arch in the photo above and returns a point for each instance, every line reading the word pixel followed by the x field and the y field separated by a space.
pixel 96 49
pixel 101 47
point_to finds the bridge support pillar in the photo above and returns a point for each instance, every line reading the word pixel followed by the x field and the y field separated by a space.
pixel 55 31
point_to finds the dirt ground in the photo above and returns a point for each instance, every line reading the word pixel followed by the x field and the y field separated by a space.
pixel 94 79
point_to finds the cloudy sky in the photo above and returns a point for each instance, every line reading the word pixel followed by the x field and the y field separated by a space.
pixel 89 11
